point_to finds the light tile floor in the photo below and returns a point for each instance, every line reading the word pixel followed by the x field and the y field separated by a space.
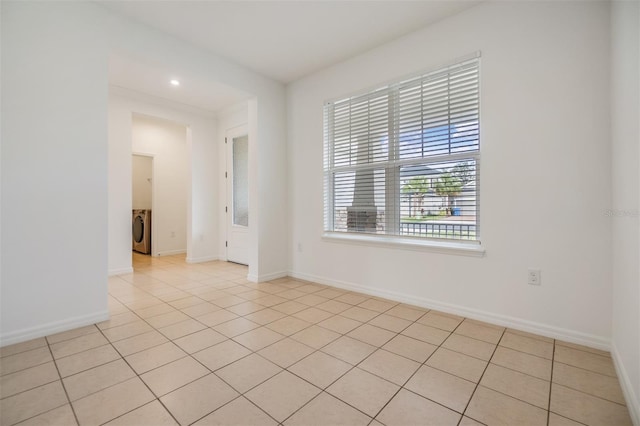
pixel 199 344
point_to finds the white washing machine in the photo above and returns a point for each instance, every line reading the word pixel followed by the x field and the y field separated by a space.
pixel 141 231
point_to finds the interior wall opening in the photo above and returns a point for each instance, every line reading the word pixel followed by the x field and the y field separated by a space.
pixel 159 186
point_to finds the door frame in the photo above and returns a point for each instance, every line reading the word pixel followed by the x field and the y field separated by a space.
pixel 231 133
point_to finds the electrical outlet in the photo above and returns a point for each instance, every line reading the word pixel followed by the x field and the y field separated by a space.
pixel 173 234
pixel 534 277
pixel 299 247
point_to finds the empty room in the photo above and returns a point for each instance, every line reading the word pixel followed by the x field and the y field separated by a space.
pixel 320 213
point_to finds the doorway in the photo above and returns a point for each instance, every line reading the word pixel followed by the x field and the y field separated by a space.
pixel 141 202
pixel 237 184
pixel 167 143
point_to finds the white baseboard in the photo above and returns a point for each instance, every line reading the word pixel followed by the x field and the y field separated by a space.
pixel 502 320
pixel 52 328
pixel 272 276
pixel 266 277
pixel 202 259
pixel 121 271
pixel 633 403
pixel 170 252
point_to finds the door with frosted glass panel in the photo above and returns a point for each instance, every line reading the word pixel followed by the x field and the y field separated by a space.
pixel 238 196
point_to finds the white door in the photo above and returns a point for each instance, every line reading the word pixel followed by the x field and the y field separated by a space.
pixel 237 142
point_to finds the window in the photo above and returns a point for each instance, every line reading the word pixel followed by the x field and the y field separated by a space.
pixel 403 160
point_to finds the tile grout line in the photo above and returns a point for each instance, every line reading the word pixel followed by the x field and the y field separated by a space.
pixel 587 349
pixel 421 364
pixel 142 381
pixel 73 410
pixel 570 419
pixel 409 378
pixel 424 363
pixel 260 326
pixel 225 308
pixel 210 371
pixel 352 367
pixel 518 371
pixel 322 390
pixel 553 355
pixel 587 370
pixel 36 387
pixel 161 301
pixel 464 412
pixel 21 370
pixel 23 351
pixel 396 332
pixel 553 361
pixel 129 365
pixel 189 355
pixel 242 358
pixel 342 335
pixel 379 347
pixel 240 395
pixel 590 394
pixel 550 384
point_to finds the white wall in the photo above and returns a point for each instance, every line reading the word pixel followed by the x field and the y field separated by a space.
pixel 268 184
pixel 186 173
pixel 625 116
pixel 545 171
pixel 54 170
pixel 166 141
pixel 54 67
pixel 141 181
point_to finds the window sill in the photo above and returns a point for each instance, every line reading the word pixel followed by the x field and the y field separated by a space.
pixel 471 248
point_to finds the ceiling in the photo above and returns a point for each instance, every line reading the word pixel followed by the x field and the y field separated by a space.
pixel 284 40
pixel 154 80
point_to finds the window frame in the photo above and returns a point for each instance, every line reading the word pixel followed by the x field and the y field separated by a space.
pixel 392 168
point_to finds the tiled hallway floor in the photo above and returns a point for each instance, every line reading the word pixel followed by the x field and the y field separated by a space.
pixel 198 344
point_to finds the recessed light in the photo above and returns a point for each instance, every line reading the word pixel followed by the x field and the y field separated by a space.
pixel 175 82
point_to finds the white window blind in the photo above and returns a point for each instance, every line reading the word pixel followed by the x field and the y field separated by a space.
pixel 404 159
